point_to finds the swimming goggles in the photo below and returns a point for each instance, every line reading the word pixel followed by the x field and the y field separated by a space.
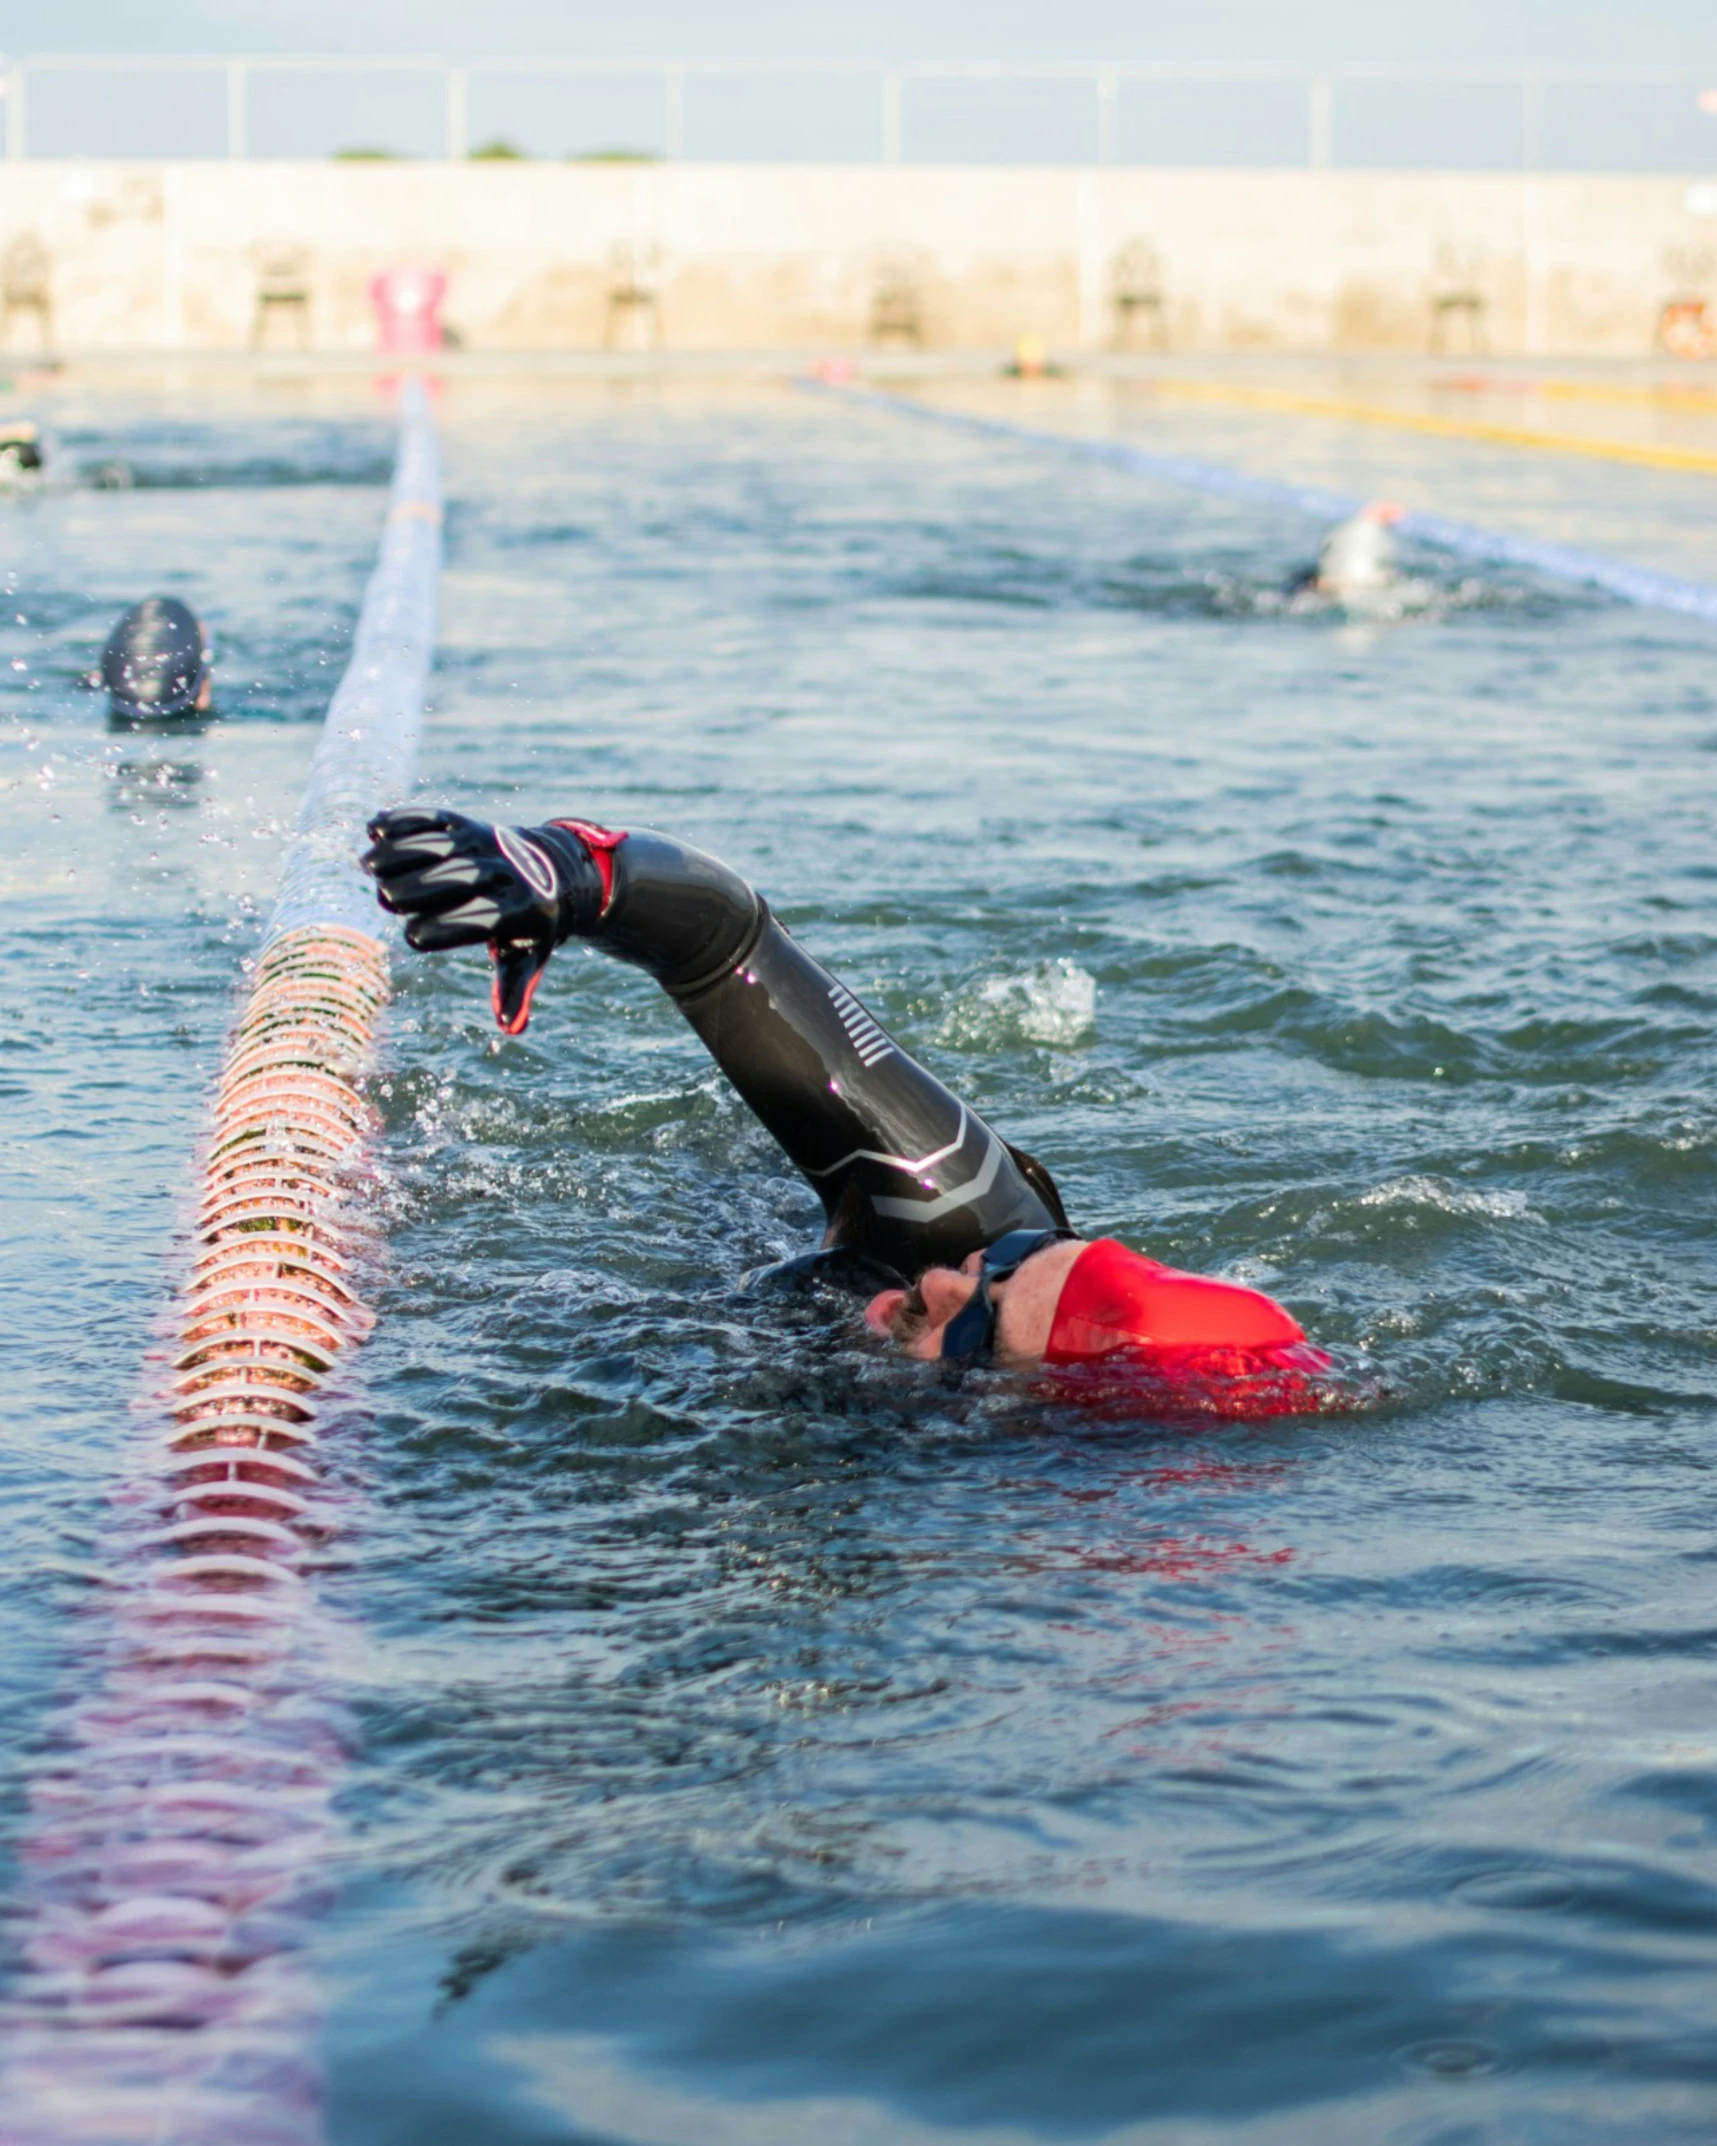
pixel 970 1336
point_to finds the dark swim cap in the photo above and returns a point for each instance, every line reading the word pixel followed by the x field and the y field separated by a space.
pixel 156 661
pixel 21 444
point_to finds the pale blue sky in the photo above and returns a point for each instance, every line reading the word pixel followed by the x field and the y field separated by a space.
pixel 1671 33
pixel 1609 124
pixel 1668 33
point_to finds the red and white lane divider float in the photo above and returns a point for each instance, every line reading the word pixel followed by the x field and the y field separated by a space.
pixel 181 1822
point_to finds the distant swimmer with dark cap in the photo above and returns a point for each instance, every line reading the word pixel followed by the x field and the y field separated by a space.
pixel 959 1238
pixel 158 665
pixel 22 455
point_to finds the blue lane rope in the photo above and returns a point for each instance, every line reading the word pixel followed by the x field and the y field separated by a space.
pixel 367 755
pixel 1633 584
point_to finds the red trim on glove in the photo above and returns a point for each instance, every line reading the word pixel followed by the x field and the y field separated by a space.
pixel 601 842
pixel 521 1021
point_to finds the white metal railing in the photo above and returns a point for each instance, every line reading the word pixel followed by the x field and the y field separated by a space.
pixel 1322 90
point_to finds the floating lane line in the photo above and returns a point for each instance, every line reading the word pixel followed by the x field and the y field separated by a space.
pixel 1696 461
pixel 1673 397
pixel 1631 584
pixel 181 1820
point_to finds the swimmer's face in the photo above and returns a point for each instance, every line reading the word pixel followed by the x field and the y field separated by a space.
pixel 917 1318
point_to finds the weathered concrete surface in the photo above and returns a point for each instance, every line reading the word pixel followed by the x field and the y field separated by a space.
pixel 167 256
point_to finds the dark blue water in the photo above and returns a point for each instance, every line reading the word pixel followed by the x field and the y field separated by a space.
pixel 759 1742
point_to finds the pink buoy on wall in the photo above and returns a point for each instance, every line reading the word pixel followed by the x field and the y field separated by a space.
pixel 408 309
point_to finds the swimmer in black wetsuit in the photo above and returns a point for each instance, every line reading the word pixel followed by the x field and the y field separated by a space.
pixel 157 664
pixel 970 1228
pixel 21 455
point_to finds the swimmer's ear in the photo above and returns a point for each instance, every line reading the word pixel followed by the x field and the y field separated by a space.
pixel 519 969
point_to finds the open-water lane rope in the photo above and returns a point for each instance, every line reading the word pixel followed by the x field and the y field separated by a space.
pixel 180 1822
pixel 1564 562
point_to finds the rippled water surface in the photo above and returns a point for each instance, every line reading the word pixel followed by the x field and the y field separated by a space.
pixel 758 1741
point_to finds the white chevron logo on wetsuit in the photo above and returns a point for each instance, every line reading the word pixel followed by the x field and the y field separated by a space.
pixel 895 1210
pixel 913 1165
pixel 866 1035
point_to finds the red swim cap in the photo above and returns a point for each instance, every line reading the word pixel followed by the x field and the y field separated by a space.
pixel 1186 1328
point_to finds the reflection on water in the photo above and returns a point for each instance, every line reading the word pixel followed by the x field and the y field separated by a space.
pixel 761 1741
pixel 140 783
pixel 190 723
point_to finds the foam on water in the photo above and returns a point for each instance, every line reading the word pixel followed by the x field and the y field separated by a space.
pixel 1054 1003
pixel 1448 1199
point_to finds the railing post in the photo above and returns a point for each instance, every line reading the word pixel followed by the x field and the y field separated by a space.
pixel 17 146
pixel 1088 213
pixel 1108 102
pixel 458 123
pixel 893 117
pixel 674 114
pixel 1535 324
pixel 237 144
pixel 1320 123
pixel 1532 122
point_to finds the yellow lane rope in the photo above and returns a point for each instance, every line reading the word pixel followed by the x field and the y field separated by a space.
pixel 1698 461
pixel 1674 397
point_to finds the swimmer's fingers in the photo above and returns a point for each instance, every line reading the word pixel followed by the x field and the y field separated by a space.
pixel 412 836
pixel 433 889
pixel 399 823
pixel 466 901
pixel 474 924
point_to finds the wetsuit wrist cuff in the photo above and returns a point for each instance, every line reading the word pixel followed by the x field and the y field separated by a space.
pixel 578 882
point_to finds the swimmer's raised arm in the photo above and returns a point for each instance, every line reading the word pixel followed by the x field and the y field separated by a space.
pixel 906 1172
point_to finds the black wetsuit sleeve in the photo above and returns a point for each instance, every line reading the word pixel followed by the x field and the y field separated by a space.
pixel 907 1173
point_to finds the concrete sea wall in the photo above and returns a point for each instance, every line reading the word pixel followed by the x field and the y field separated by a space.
pixel 755 257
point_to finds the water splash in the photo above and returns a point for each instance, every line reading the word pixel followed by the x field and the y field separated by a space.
pixel 1054 1003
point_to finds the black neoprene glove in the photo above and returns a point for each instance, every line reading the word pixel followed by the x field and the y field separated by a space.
pixel 521 891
